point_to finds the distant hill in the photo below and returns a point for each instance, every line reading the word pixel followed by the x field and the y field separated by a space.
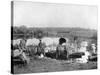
pixel 61 29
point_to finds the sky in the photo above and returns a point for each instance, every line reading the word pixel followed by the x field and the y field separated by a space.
pixel 34 14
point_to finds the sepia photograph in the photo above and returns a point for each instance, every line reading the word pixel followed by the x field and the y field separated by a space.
pixel 53 37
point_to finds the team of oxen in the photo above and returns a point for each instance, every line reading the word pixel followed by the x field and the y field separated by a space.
pixel 58 48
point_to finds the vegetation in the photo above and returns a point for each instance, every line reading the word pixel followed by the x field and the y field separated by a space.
pixel 73 33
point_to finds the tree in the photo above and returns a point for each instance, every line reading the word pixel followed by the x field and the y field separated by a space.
pixel 94 36
pixel 38 34
pixel 23 29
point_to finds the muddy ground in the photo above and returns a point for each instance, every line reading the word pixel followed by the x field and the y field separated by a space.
pixel 38 65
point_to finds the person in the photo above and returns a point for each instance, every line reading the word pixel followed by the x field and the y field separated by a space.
pixel 93 48
pixel 22 49
pixel 41 51
pixel 84 53
pixel 22 44
pixel 61 49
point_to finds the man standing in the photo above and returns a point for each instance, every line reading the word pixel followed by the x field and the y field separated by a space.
pixel 41 51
